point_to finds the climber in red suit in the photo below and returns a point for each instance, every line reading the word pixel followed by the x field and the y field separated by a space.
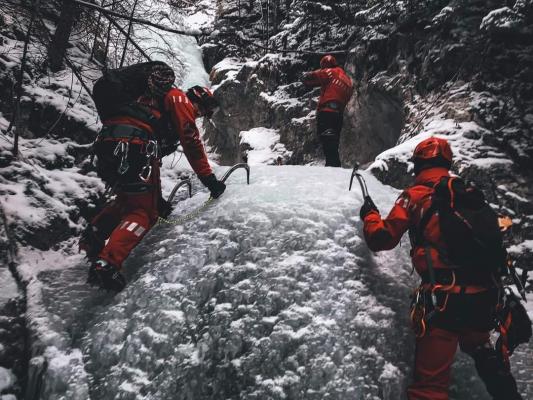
pixel 128 141
pixel 336 90
pixel 467 299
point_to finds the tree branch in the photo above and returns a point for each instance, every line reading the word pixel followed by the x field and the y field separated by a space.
pixel 136 20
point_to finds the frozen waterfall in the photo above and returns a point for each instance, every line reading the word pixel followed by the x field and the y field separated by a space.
pixel 269 293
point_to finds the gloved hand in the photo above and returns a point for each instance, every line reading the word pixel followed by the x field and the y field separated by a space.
pixel 164 208
pixel 167 149
pixel 367 206
pixel 215 186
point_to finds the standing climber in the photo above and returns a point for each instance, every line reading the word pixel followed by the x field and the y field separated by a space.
pixel 134 138
pixel 336 90
pixel 455 304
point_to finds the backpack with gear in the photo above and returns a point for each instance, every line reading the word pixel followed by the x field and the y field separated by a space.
pixel 469 227
pixel 117 91
pixel 116 94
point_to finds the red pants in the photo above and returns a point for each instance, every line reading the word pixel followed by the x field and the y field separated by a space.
pixel 434 356
pixel 125 221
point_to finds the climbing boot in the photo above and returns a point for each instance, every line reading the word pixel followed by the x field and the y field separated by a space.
pixel 91 243
pixel 106 276
pixel 495 374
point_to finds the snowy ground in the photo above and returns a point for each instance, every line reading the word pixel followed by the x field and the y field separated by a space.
pixel 269 293
pixel 8 286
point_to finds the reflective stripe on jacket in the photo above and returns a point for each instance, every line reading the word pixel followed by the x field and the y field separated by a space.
pixel 336 87
pixel 183 116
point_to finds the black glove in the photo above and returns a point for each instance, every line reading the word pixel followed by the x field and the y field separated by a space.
pixel 167 149
pixel 215 186
pixel 164 208
pixel 368 205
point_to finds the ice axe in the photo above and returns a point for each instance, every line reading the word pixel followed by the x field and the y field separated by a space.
pixel 183 182
pixel 209 201
pixel 187 181
pixel 236 167
pixel 360 179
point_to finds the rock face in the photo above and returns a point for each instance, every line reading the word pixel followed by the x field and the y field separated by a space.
pixel 260 94
pixel 449 68
pixel 268 93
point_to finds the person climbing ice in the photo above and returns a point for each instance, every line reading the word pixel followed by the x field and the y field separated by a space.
pixel 456 302
pixel 336 90
pixel 144 119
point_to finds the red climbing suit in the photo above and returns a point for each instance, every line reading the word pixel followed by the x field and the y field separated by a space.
pixel 336 87
pixel 436 349
pixel 385 234
pixel 127 219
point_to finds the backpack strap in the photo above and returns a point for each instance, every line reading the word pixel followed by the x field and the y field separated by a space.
pixel 424 221
pixel 419 240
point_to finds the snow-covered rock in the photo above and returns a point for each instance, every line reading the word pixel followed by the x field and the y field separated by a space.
pixel 262 146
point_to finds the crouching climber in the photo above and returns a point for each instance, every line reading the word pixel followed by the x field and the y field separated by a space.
pixel 456 303
pixel 336 90
pixel 144 119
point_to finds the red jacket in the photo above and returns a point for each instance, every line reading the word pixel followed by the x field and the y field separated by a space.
pixel 385 234
pixel 336 87
pixel 183 116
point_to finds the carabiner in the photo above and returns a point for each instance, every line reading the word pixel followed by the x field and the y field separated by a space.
pixel 123 150
pixel 118 148
pixel 151 149
pixel 141 175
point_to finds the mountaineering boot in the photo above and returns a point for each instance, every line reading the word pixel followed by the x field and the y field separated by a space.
pixel 91 243
pixel 107 276
pixel 497 377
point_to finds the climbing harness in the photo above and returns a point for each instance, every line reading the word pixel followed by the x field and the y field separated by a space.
pixel 198 211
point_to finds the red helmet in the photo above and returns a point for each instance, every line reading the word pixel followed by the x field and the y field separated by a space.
pixel 431 148
pixel 204 98
pixel 328 61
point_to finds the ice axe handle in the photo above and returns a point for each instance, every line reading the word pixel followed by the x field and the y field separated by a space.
pixel 354 171
pixel 361 180
pixel 178 185
pixel 235 167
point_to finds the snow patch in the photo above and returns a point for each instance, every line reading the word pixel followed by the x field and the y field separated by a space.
pixel 265 146
pixel 7 378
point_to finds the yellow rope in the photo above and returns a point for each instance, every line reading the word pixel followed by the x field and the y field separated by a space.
pixel 187 217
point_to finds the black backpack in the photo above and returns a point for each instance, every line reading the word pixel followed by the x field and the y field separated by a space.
pixel 117 91
pixel 469 227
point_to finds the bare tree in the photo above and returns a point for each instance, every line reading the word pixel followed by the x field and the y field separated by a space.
pixel 58 45
pixel 15 121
